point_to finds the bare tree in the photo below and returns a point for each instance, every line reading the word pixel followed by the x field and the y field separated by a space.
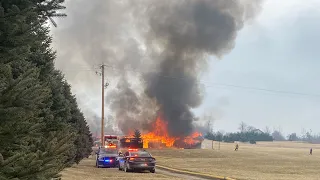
pixel 267 130
pixel 243 127
pixel 293 137
pixel 278 136
pixel 250 128
pixel 308 136
pixel 209 119
pixel 209 126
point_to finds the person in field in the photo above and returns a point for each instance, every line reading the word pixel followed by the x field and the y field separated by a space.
pixel 310 151
pixel 237 147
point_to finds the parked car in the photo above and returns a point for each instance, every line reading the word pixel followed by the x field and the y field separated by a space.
pixel 137 160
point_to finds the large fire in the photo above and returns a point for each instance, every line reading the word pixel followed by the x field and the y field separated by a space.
pixel 159 135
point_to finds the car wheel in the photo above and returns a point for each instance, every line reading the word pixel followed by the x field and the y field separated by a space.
pixel 153 170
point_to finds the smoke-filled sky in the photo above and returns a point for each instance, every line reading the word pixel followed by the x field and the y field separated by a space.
pixel 277 51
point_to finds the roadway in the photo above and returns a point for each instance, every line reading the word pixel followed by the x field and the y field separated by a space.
pixel 86 170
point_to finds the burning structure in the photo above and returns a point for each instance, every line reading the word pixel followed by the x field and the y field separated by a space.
pixel 131 142
pixel 158 137
pixel 172 42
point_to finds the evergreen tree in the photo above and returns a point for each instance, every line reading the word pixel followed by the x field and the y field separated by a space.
pixel 20 101
pixel 42 130
pixel 137 134
pixel 20 129
pixel 62 106
pixel 38 165
pixel 83 141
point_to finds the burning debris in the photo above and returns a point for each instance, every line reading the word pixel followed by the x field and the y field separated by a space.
pixel 177 37
pixel 158 136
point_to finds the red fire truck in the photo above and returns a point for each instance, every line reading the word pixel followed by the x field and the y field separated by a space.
pixel 111 141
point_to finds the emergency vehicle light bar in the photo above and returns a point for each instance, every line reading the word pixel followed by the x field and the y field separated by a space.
pixel 111 146
pixel 133 149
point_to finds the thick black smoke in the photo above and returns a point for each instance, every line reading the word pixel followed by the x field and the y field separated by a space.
pixel 166 41
pixel 187 31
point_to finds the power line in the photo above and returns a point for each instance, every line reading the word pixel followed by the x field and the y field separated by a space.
pixel 212 84
pixel 267 90
pixel 69 70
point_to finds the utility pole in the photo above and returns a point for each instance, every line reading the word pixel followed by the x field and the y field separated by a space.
pixel 102 106
pixel 103 86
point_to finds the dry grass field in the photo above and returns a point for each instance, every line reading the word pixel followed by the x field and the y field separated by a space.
pixel 263 161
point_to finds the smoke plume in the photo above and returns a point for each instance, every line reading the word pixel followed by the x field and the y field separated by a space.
pixel 187 31
pixel 164 44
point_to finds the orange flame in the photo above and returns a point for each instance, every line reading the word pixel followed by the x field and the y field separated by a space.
pixel 191 139
pixel 159 134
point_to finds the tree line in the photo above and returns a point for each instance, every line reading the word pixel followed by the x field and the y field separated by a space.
pixel 42 129
pixel 246 134
pixel 306 136
pixel 251 134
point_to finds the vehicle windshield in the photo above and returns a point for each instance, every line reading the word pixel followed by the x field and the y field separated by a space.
pixel 108 151
pixel 140 154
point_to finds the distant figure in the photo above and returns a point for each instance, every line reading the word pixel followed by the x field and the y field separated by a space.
pixel 237 147
pixel 310 151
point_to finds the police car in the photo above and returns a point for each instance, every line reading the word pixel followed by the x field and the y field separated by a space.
pixel 107 157
pixel 137 160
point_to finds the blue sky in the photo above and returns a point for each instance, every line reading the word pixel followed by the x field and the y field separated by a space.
pixel 278 51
